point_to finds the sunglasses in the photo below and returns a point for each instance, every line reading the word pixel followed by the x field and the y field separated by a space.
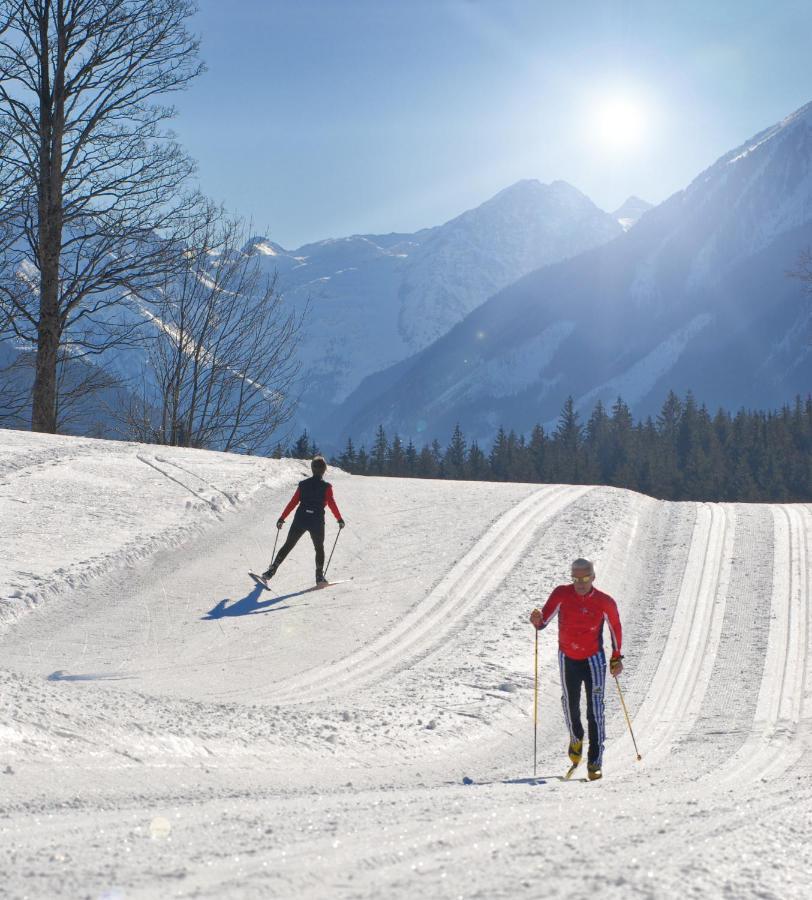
pixel 582 579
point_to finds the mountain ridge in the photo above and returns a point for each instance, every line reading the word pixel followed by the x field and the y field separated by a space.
pixel 681 301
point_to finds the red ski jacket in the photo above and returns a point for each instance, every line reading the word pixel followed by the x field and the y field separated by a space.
pixel 580 621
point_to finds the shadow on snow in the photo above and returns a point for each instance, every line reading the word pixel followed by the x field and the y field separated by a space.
pixel 250 604
pixel 62 675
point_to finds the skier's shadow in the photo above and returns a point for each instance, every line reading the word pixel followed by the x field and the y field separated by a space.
pixel 62 675
pixel 535 779
pixel 250 604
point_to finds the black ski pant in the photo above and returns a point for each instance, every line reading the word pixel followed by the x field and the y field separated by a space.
pixel 591 673
pixel 297 529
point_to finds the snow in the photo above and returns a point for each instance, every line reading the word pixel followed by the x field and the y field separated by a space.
pixel 265 248
pixel 170 730
pixel 509 373
pixel 643 375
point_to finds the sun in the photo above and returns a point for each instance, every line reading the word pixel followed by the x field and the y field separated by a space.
pixel 619 123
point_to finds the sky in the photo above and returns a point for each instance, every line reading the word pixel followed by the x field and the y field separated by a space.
pixel 325 118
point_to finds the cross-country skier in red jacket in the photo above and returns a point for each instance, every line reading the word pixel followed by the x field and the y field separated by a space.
pixel 311 496
pixel 582 609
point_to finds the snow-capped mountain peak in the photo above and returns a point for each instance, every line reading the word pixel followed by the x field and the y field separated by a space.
pixel 377 299
pixel 629 212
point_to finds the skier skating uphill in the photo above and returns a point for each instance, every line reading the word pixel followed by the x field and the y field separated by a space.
pixel 582 610
pixel 311 496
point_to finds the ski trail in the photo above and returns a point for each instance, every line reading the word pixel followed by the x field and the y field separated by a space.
pixel 725 719
pixel 420 630
pixel 177 481
pixel 168 462
pixel 681 680
pixel 771 746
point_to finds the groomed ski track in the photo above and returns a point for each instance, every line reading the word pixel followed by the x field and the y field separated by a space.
pixel 314 745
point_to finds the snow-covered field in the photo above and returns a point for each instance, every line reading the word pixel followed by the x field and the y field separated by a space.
pixel 168 730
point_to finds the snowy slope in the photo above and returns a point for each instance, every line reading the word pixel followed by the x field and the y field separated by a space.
pixel 171 731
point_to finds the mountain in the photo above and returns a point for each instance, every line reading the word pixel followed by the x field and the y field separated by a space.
pixel 471 257
pixel 375 300
pixel 695 296
pixel 629 212
pixel 372 301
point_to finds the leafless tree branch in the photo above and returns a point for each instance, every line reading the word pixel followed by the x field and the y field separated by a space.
pixel 224 363
pixel 93 199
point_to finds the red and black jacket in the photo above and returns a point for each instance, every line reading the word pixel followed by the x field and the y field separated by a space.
pixel 311 496
pixel 580 621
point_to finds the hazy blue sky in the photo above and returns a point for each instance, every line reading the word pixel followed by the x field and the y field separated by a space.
pixel 323 118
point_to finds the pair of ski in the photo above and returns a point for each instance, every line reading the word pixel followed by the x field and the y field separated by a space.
pixel 264 584
pixel 571 772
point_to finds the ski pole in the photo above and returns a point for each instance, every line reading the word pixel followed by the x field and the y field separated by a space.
pixel 536 706
pixel 628 720
pixel 331 553
pixel 273 552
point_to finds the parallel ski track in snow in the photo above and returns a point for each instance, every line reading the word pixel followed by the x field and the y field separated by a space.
pixel 168 475
pixel 416 633
pixel 771 747
pixel 168 462
pixel 674 698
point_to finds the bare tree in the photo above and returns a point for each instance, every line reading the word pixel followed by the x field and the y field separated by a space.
pixel 15 390
pixel 92 186
pixel 86 393
pixel 223 361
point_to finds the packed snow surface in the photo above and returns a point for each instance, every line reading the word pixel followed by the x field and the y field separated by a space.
pixel 168 729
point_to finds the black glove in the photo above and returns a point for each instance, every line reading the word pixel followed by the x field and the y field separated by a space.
pixel 280 523
pixel 341 523
pixel 615 665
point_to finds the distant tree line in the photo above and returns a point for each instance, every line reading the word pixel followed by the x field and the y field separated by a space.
pixel 684 453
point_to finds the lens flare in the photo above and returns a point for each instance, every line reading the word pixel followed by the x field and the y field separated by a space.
pixel 619 124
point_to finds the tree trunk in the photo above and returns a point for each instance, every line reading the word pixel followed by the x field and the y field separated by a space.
pixel 51 214
pixel 43 417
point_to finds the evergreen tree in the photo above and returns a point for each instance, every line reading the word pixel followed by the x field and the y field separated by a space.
pixel 347 459
pixel 622 454
pixel 568 440
pixel 454 460
pixel 397 458
pixel 427 466
pixel 686 454
pixel 379 457
pixel 520 466
pixel 477 468
pixel 500 456
pixel 537 450
pixel 597 447
pixel 437 456
pixel 303 448
pixel 665 469
pixel 410 460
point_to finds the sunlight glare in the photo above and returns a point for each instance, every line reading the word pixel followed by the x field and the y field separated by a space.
pixel 619 123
